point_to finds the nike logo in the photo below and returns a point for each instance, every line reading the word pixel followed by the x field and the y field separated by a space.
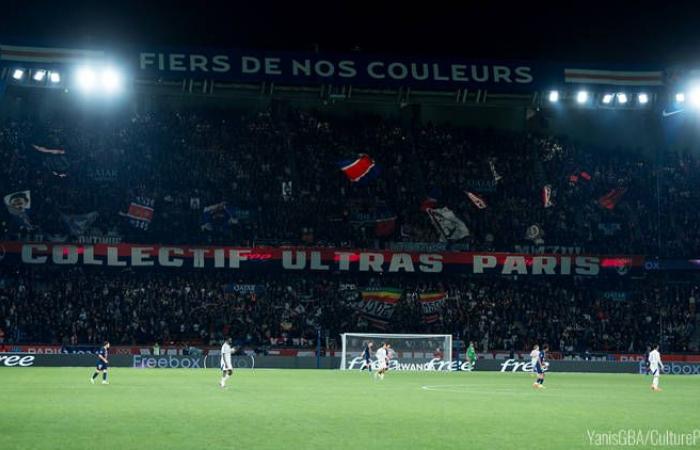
pixel 664 113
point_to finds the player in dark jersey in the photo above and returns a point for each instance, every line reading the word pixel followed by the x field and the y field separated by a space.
pixel 646 360
pixel 541 365
pixel 367 356
pixel 102 364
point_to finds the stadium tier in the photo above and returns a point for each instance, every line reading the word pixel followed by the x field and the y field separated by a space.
pixel 447 202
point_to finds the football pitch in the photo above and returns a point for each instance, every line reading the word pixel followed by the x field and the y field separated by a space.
pixel 57 408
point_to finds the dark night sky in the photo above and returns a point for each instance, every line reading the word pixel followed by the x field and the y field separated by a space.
pixel 610 32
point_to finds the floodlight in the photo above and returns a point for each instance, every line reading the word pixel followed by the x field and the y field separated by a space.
pixel 39 75
pixel 86 79
pixel 111 80
pixel 582 97
pixel 694 97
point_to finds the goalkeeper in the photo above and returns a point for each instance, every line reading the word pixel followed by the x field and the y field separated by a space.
pixel 471 354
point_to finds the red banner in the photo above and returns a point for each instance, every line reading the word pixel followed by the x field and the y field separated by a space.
pixel 313 259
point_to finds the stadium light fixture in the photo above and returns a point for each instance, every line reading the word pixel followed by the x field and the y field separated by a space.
pixel 582 97
pixel 54 77
pixel 607 99
pixel 111 80
pixel 621 98
pixel 680 97
pixel 18 74
pixel 643 98
pixel 553 96
pixel 39 75
pixel 86 79
pixel 694 97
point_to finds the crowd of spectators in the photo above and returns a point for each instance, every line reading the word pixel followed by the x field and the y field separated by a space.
pixel 279 177
pixel 86 305
pixel 186 161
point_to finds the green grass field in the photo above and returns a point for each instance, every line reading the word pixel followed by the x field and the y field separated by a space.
pixel 42 408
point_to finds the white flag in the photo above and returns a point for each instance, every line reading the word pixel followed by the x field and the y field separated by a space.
pixel 286 190
pixel 18 202
pixel 478 201
pixel 492 165
pixel 447 224
pixel 547 196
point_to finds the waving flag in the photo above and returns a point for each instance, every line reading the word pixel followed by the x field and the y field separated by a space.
pixel 610 200
pixel 140 212
pixel 50 151
pixel 478 201
pixel 385 226
pixel 547 196
pixel 78 224
pixel 57 164
pixel 222 215
pixel 432 304
pixel 492 165
pixel 360 168
pixel 574 177
pixel 378 305
pixel 534 233
pixel 18 205
pixel 447 224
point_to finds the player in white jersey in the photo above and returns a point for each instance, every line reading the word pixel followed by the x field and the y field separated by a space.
pixel 655 367
pixel 226 367
pixel 382 361
pixel 534 359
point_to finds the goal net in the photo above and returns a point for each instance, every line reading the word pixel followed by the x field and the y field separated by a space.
pixel 429 352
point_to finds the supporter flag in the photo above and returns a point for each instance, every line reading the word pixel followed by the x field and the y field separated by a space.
pixel 222 214
pixel 447 224
pixel 534 233
pixel 362 168
pixel 547 196
pixel 385 226
pixel 286 190
pixel 492 165
pixel 57 164
pixel 378 305
pixel 140 213
pixel 610 200
pixel 478 201
pixel 432 305
pixel 18 205
pixel 79 224
pixel 583 175
pixel 49 151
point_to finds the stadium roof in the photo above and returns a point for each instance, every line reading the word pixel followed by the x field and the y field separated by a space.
pixel 613 32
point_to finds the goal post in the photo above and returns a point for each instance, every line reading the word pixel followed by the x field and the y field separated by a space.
pixel 419 352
